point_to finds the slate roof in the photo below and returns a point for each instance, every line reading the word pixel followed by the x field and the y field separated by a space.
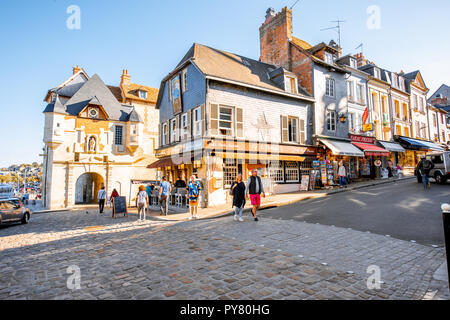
pixel 229 66
pixel 94 91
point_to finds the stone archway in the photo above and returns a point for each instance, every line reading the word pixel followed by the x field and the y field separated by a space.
pixel 87 187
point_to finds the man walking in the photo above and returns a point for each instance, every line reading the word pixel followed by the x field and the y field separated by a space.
pixel 164 191
pixel 255 189
pixel 101 199
pixel 149 189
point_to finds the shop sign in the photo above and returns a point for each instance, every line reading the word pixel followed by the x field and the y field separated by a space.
pixel 368 127
pixel 362 139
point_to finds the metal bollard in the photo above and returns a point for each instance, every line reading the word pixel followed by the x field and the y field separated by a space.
pixel 446 218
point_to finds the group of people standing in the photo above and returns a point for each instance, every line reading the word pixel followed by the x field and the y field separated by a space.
pixel 144 197
pixel 240 191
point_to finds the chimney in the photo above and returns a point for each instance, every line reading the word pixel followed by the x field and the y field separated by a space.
pixel 125 79
pixel 274 36
pixel 76 69
pixel 360 59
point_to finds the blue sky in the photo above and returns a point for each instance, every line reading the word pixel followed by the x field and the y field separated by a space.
pixel 149 37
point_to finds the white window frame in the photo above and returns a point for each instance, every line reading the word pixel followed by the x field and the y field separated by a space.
pixel 143 94
pixel 197 121
pixel 173 130
pixel 292 172
pixel 353 63
pixel 293 136
pixel 351 121
pixel 276 171
pixel 330 87
pixel 118 138
pixel 329 58
pixel 331 120
pixel 377 73
pixel 288 84
pixel 184 125
pixel 231 121
pixel 351 89
pixel 360 90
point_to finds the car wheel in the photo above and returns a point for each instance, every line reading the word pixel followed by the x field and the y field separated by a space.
pixel 439 178
pixel 26 218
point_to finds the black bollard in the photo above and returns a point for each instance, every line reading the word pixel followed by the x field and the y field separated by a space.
pixel 446 218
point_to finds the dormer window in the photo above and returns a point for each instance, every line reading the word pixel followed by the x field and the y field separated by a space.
pixel 329 58
pixel 353 63
pixel 291 84
pixel 377 73
pixel 143 94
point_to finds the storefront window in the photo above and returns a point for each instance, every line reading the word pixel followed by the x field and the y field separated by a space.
pixel 230 171
pixel 292 173
pixel 276 171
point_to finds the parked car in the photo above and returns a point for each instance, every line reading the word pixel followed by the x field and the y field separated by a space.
pixel 12 210
pixel 441 170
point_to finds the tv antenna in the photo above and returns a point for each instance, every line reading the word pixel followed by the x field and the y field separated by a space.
pixel 337 29
pixel 360 46
pixel 295 4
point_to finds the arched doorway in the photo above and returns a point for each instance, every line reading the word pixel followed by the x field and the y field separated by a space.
pixel 87 187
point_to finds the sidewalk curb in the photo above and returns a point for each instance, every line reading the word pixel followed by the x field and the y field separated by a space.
pixel 264 207
pixel 283 204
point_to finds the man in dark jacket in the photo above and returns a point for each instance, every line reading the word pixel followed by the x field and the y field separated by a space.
pixel 255 188
pixel 425 169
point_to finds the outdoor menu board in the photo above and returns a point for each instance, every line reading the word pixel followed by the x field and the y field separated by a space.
pixel 305 183
pixel 120 207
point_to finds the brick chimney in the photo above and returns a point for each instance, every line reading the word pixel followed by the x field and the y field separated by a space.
pixel 125 79
pixel 361 61
pixel 76 69
pixel 274 36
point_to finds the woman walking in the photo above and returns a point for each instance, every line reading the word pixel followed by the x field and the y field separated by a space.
pixel 238 193
pixel 142 203
pixel 114 195
pixel 193 193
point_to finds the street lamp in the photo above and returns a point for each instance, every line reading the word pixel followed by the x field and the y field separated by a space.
pixel 343 117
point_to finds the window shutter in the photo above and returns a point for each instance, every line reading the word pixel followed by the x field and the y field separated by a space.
pixel 302 134
pixel 167 135
pixel 203 110
pixel 284 129
pixel 189 125
pixel 160 134
pixel 239 123
pixel 214 119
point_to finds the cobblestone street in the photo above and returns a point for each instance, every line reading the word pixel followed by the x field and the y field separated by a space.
pixel 212 259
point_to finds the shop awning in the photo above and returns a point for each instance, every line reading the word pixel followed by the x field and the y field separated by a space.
pixel 420 144
pixel 372 150
pixel 392 146
pixel 342 148
pixel 175 160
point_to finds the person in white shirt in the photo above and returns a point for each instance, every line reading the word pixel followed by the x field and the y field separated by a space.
pixel 342 173
pixel 142 203
pixel 101 199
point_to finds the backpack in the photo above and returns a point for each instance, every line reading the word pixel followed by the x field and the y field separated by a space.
pixel 142 197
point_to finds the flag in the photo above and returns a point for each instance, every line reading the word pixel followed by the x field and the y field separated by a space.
pixel 366 116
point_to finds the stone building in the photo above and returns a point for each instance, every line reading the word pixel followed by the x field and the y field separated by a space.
pixel 97 135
